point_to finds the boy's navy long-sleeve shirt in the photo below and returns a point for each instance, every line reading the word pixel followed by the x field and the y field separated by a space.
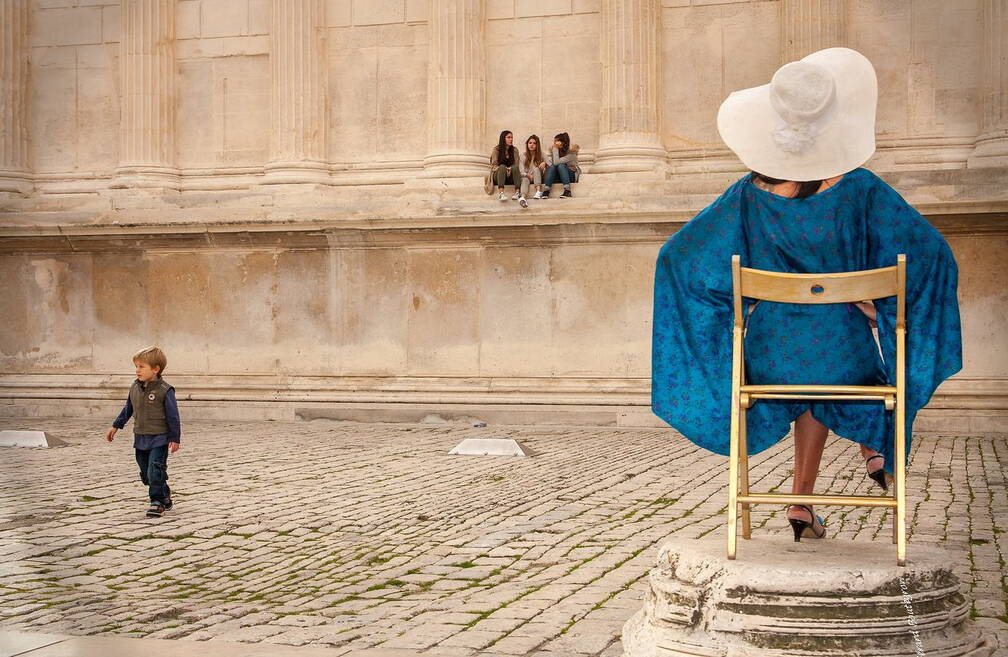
pixel 150 441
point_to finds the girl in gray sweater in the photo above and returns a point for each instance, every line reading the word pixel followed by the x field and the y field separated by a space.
pixel 563 166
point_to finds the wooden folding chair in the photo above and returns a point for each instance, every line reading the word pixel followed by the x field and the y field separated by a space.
pixel 847 287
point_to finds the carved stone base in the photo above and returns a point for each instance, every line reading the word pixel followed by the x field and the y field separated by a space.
pixel 823 598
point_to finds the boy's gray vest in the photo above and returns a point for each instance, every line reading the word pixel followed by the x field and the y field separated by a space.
pixel 148 406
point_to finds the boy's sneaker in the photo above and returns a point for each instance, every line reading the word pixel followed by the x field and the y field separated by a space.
pixel 156 510
pixel 522 202
pixel 538 195
pixel 566 194
pixel 517 195
pixel 503 196
pixel 168 504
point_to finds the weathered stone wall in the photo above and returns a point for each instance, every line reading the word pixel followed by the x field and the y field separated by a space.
pixel 284 193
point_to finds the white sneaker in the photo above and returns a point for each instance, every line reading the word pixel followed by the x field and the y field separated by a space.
pixel 517 195
pixel 503 196
pixel 522 202
pixel 538 194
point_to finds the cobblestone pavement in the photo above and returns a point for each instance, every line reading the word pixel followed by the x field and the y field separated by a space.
pixel 361 536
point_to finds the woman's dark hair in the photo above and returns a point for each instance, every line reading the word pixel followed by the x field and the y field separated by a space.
pixel 505 155
pixel 533 159
pixel 806 188
pixel 564 141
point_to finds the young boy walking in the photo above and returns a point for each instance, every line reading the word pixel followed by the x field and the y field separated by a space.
pixel 157 428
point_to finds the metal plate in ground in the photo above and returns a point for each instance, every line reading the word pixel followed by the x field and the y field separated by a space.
pixel 10 438
pixel 491 447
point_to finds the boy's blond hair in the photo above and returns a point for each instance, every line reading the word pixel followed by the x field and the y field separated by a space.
pixel 152 356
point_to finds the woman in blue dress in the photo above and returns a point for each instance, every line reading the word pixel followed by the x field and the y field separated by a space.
pixel 806 207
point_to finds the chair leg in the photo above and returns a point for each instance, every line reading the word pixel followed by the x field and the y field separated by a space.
pixel 744 473
pixel 733 476
pixel 900 483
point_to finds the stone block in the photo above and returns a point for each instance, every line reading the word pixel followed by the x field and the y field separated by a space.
pixel 371 307
pixel 259 17
pixel 500 9
pixel 181 282
pixel 187 19
pixel 220 19
pixel 196 126
pixel 527 8
pixel 378 12
pixel 339 13
pixel 417 11
pixel 443 319
pixel 515 343
pixel 10 438
pixel 120 287
pixel 111 25
pixel 97 110
pixel 306 327
pixel 702 603
pixel 401 129
pixel 587 6
pixel 66 27
pixel 488 447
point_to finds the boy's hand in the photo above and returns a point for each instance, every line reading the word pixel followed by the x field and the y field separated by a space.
pixel 110 434
pixel 172 447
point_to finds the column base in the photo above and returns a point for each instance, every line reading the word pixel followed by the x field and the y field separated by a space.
pixel 455 165
pixel 991 151
pixel 146 177
pixel 629 157
pixel 831 598
pixel 16 181
pixel 302 172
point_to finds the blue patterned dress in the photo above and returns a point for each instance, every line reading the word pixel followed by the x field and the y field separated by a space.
pixel 859 223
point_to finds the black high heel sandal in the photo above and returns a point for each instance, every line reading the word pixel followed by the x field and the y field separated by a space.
pixel 800 527
pixel 879 476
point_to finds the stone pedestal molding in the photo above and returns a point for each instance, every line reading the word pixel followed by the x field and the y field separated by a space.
pixel 629 121
pixel 298 118
pixel 15 172
pixel 811 25
pixel 830 598
pixel 456 89
pixel 147 95
pixel 992 144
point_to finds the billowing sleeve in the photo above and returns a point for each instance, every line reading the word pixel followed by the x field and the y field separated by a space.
pixel 691 330
pixel 934 338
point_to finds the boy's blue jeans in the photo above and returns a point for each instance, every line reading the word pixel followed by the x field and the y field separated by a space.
pixel 558 171
pixel 154 472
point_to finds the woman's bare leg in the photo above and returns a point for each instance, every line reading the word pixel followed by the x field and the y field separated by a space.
pixel 810 440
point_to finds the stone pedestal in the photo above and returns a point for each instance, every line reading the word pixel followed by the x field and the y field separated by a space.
pixel 824 598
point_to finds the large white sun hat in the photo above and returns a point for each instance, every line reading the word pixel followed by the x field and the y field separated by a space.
pixel 815 120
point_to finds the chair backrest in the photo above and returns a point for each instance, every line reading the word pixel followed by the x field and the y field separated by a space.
pixel 844 287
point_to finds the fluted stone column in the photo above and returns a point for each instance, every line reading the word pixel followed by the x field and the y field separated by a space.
pixel 15 172
pixel 811 25
pixel 456 89
pixel 992 144
pixel 298 118
pixel 147 105
pixel 629 123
